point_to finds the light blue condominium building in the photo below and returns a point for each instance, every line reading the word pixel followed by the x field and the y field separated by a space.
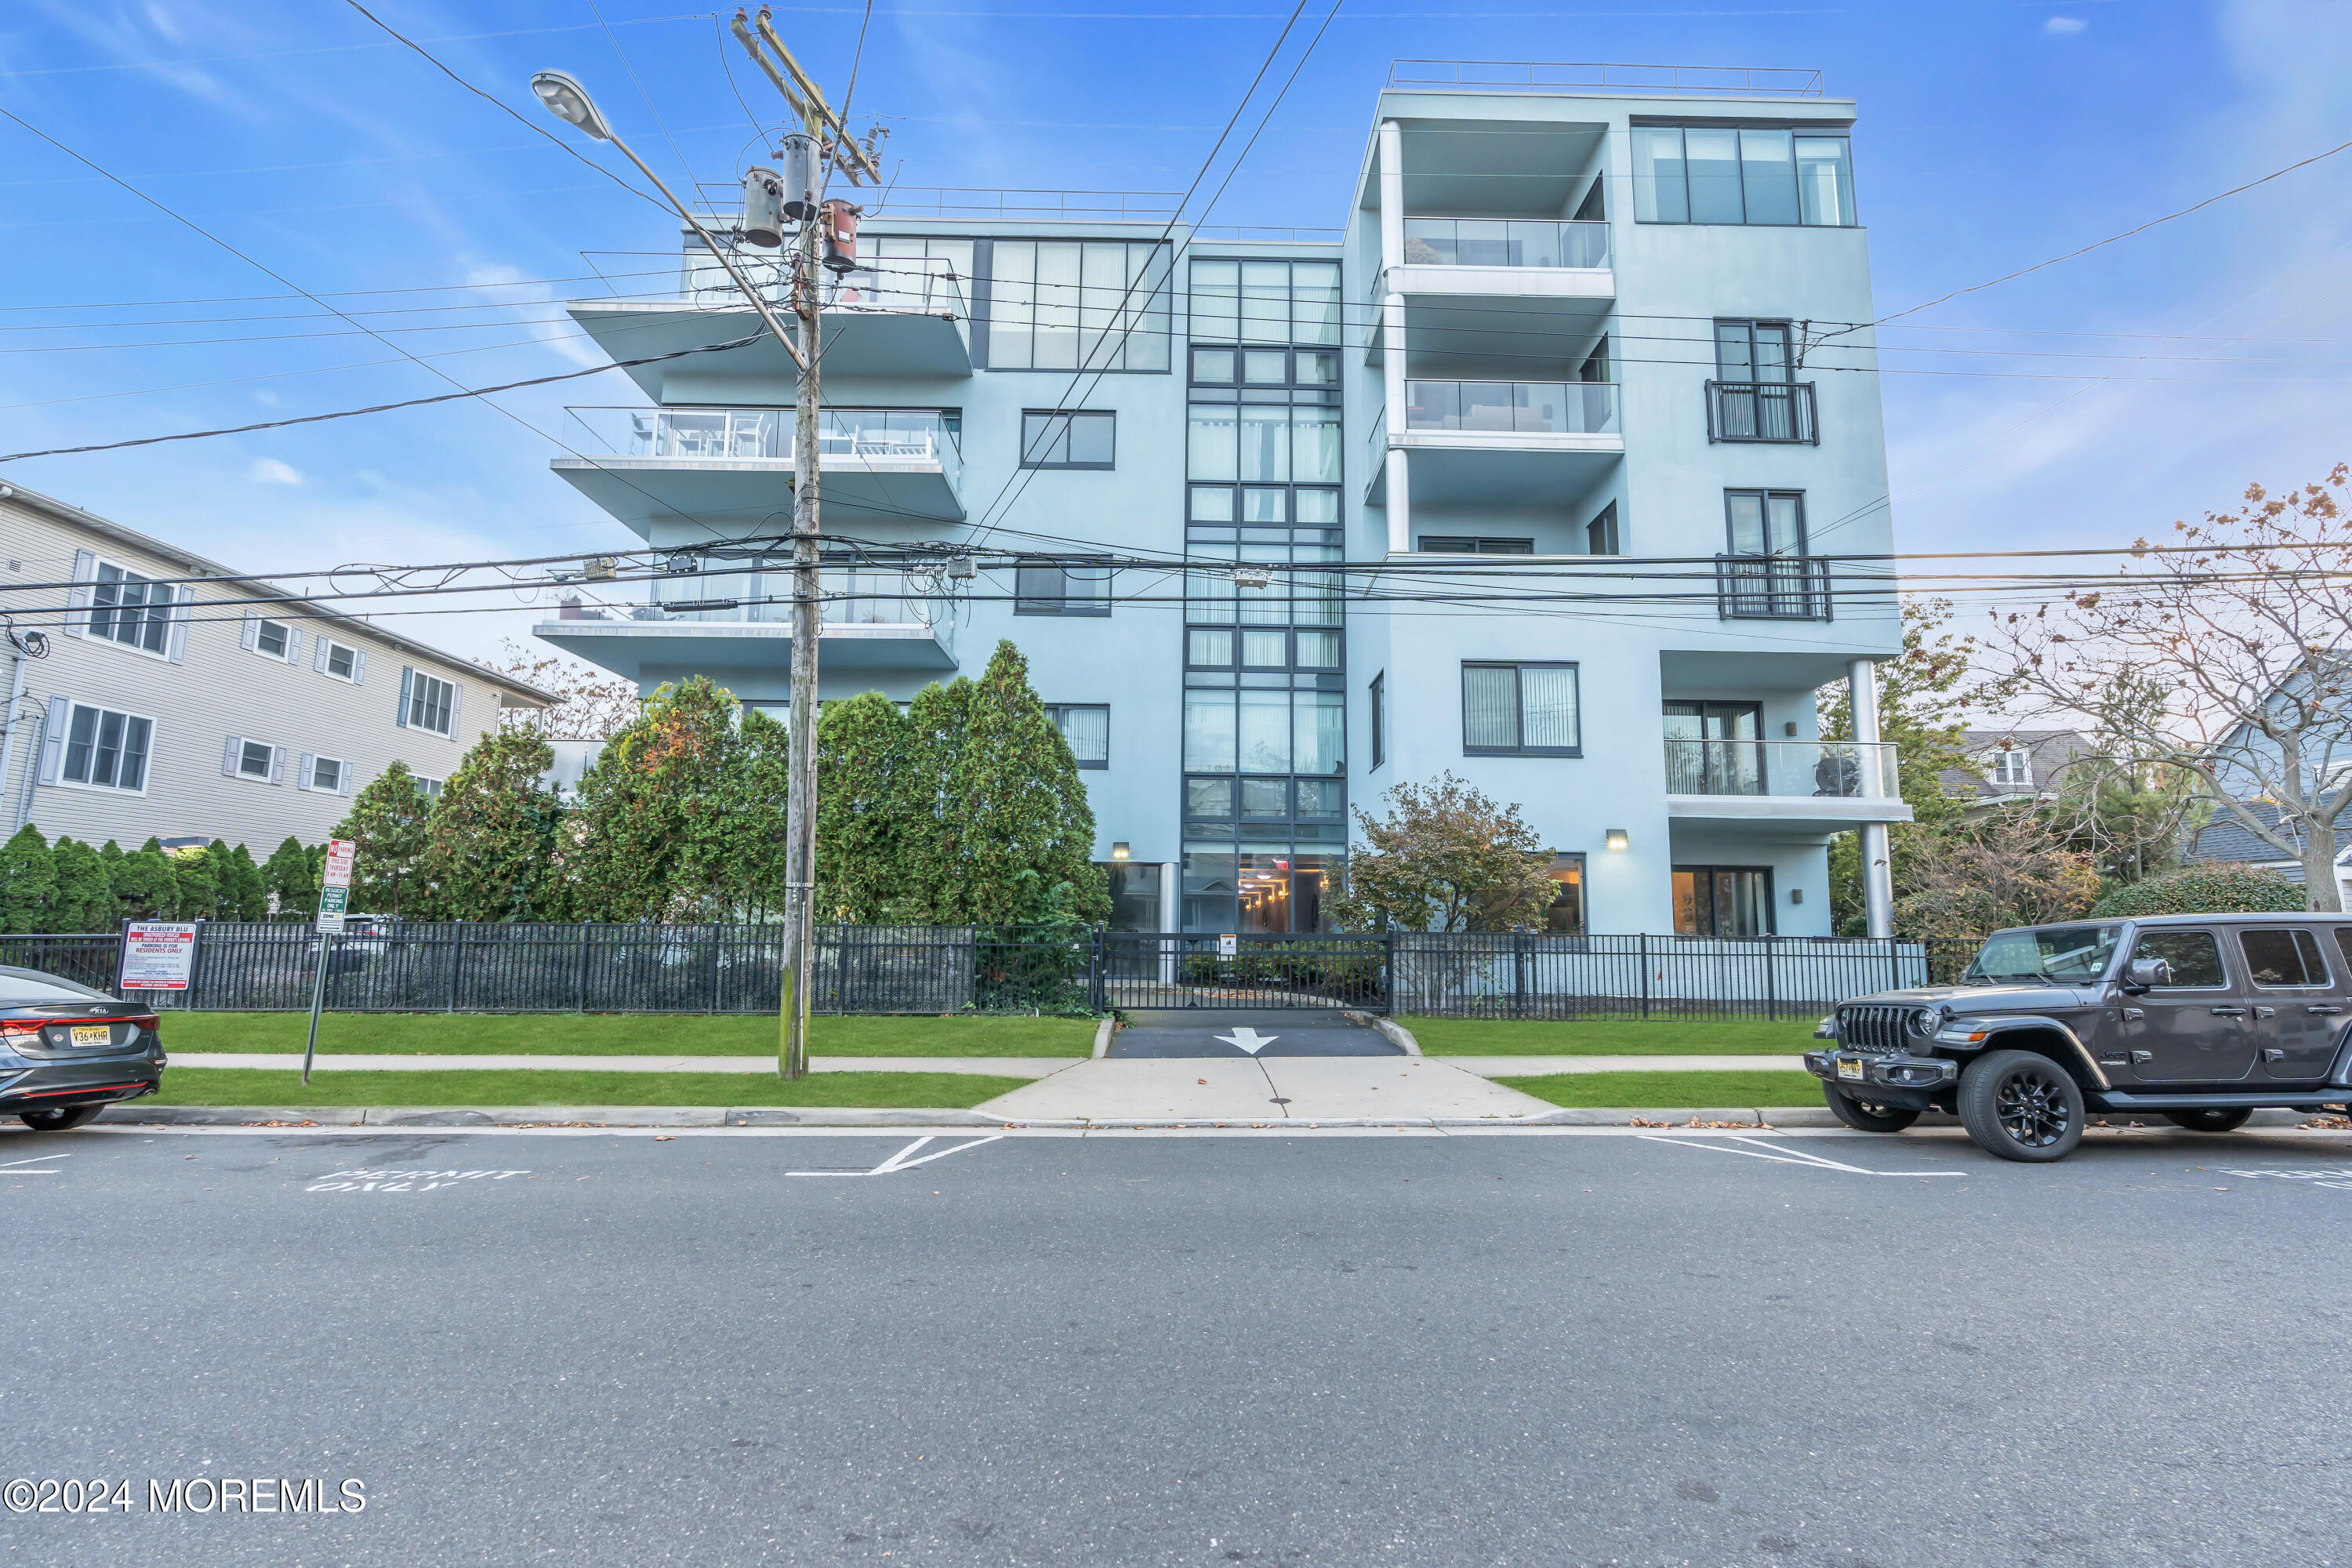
pixel 1560 469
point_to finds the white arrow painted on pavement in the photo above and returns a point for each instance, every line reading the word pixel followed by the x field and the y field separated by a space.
pixel 1248 1039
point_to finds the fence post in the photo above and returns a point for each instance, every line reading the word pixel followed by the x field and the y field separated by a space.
pixel 1771 987
pixel 582 1006
pixel 1893 965
pixel 1094 969
pixel 1389 970
pixel 122 953
pixel 714 968
pixel 457 963
pixel 1644 939
pixel 1520 973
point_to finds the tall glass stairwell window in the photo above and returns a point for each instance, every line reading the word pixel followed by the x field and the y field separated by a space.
pixel 1265 724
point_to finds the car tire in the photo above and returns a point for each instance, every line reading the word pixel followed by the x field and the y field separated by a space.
pixel 58 1118
pixel 2021 1105
pixel 2215 1119
pixel 1867 1115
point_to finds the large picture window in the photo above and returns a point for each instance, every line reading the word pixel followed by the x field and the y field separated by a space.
pixel 1723 900
pixel 1520 709
pixel 1265 301
pixel 130 609
pixel 427 703
pixel 1044 589
pixel 1102 305
pixel 1068 439
pixel 1748 174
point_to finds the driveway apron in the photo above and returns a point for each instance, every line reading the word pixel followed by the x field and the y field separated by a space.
pixel 1248 1032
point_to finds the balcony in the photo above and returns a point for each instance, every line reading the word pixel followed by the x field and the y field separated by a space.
pixel 684 471
pixel 901 317
pixel 1776 411
pixel 1482 286
pixel 741 622
pixel 1809 785
pixel 1772 588
pixel 1501 441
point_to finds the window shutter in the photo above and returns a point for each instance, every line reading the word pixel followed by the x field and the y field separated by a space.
pixel 407 678
pixel 85 573
pixel 456 706
pixel 319 647
pixel 176 646
pixel 293 646
pixel 248 637
pixel 344 779
pixel 52 740
pixel 302 774
pixel 229 754
pixel 359 666
pixel 278 765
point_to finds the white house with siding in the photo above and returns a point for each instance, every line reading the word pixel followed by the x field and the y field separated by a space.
pixel 177 698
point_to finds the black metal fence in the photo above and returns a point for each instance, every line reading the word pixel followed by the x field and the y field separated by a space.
pixel 409 966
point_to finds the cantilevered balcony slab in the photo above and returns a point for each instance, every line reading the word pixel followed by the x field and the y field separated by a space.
pixel 649 652
pixel 1780 788
pixel 1499 442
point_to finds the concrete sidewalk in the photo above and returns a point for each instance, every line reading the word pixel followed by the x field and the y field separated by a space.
pixel 979 1067
pixel 1541 1067
pixel 1279 1088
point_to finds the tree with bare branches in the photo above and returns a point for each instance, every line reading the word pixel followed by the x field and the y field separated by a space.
pixel 591 705
pixel 2245 623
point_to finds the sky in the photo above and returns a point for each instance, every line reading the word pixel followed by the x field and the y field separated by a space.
pixel 2091 402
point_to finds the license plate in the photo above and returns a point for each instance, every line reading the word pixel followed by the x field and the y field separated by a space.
pixel 93 1035
pixel 1847 1068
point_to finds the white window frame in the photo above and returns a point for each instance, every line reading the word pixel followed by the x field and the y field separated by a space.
pixel 417 702
pixel 2017 762
pixel 65 741
pixel 421 782
pixel 309 779
pixel 270 763
pixel 88 614
pixel 327 660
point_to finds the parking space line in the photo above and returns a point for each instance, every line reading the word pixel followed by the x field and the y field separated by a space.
pixel 17 1168
pixel 899 1160
pixel 1782 1155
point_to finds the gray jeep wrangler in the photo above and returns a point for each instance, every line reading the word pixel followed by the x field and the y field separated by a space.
pixel 2200 1020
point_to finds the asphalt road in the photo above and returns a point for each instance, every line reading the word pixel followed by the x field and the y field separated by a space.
pixel 1264 1032
pixel 1346 1349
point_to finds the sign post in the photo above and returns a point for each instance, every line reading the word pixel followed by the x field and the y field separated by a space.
pixel 334 898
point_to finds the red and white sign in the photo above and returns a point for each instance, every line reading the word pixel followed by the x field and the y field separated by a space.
pixel 158 955
pixel 340 852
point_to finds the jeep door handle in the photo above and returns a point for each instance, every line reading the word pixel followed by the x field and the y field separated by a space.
pixel 2273 1056
pixel 2323 1011
pixel 2135 1015
pixel 2138 1057
pixel 2265 1011
pixel 2228 1012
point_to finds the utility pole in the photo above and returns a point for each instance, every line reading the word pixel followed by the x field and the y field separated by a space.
pixel 800 805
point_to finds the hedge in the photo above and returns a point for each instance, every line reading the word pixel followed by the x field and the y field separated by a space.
pixel 2205 890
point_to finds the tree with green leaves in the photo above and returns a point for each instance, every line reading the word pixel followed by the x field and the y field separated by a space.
pixel 28 881
pixel 243 894
pixel 872 815
pixel 142 883
pixel 489 850
pixel 681 816
pixel 1009 802
pixel 387 827
pixel 195 883
pixel 84 901
pixel 288 874
pixel 1446 859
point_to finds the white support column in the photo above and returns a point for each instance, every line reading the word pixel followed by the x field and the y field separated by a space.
pixel 1877 873
pixel 1400 488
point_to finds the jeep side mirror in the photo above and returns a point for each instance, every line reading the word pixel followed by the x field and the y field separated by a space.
pixel 2141 973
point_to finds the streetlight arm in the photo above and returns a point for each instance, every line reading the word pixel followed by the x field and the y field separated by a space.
pixel 724 259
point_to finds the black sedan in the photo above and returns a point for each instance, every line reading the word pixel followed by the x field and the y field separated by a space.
pixel 68 1051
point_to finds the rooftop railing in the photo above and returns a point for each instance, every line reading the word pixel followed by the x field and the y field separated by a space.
pixel 1549 76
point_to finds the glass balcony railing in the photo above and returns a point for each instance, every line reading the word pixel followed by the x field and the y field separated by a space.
pixel 1845 770
pixel 1517 407
pixel 881 439
pixel 1504 242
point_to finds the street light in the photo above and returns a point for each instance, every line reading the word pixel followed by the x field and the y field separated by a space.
pixel 568 100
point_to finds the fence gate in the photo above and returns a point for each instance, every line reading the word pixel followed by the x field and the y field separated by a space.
pixel 1146 970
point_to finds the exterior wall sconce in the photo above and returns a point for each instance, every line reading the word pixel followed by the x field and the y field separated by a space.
pixel 1119 851
pixel 1616 839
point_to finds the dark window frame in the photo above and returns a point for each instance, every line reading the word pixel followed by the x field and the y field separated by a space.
pixel 1605 519
pixel 1054 710
pixel 1766 494
pixel 1519 692
pixel 1380 720
pixel 1474 544
pixel 2303 938
pixel 1795 129
pixel 1770 903
pixel 1028 603
pixel 1068 418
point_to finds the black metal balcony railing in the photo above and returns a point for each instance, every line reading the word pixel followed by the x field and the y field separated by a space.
pixel 1761 411
pixel 1773 587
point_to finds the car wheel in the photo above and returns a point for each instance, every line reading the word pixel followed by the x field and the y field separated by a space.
pixel 1868 1115
pixel 58 1118
pixel 2021 1105
pixel 2211 1120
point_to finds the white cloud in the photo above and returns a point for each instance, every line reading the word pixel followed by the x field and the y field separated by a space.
pixel 562 336
pixel 2064 24
pixel 270 471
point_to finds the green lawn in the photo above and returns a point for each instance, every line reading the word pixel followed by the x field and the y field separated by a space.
pixel 623 1034
pixel 1609 1037
pixel 876 1090
pixel 1646 1089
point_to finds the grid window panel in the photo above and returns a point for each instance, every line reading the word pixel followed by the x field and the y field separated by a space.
pixel 1099 305
pixel 1072 440
pixel 1525 710
pixel 1086 729
pixel 1767 175
pixel 106 750
pixel 130 609
pixel 430 703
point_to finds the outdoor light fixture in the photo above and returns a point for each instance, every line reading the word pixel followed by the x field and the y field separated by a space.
pixel 1616 839
pixel 1119 851
pixel 569 101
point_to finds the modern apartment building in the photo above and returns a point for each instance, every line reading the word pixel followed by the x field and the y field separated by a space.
pixel 174 698
pixel 1533 474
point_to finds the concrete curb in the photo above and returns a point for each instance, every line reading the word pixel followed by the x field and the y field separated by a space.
pixel 392 1117
pixel 1392 1031
pixel 1103 1032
